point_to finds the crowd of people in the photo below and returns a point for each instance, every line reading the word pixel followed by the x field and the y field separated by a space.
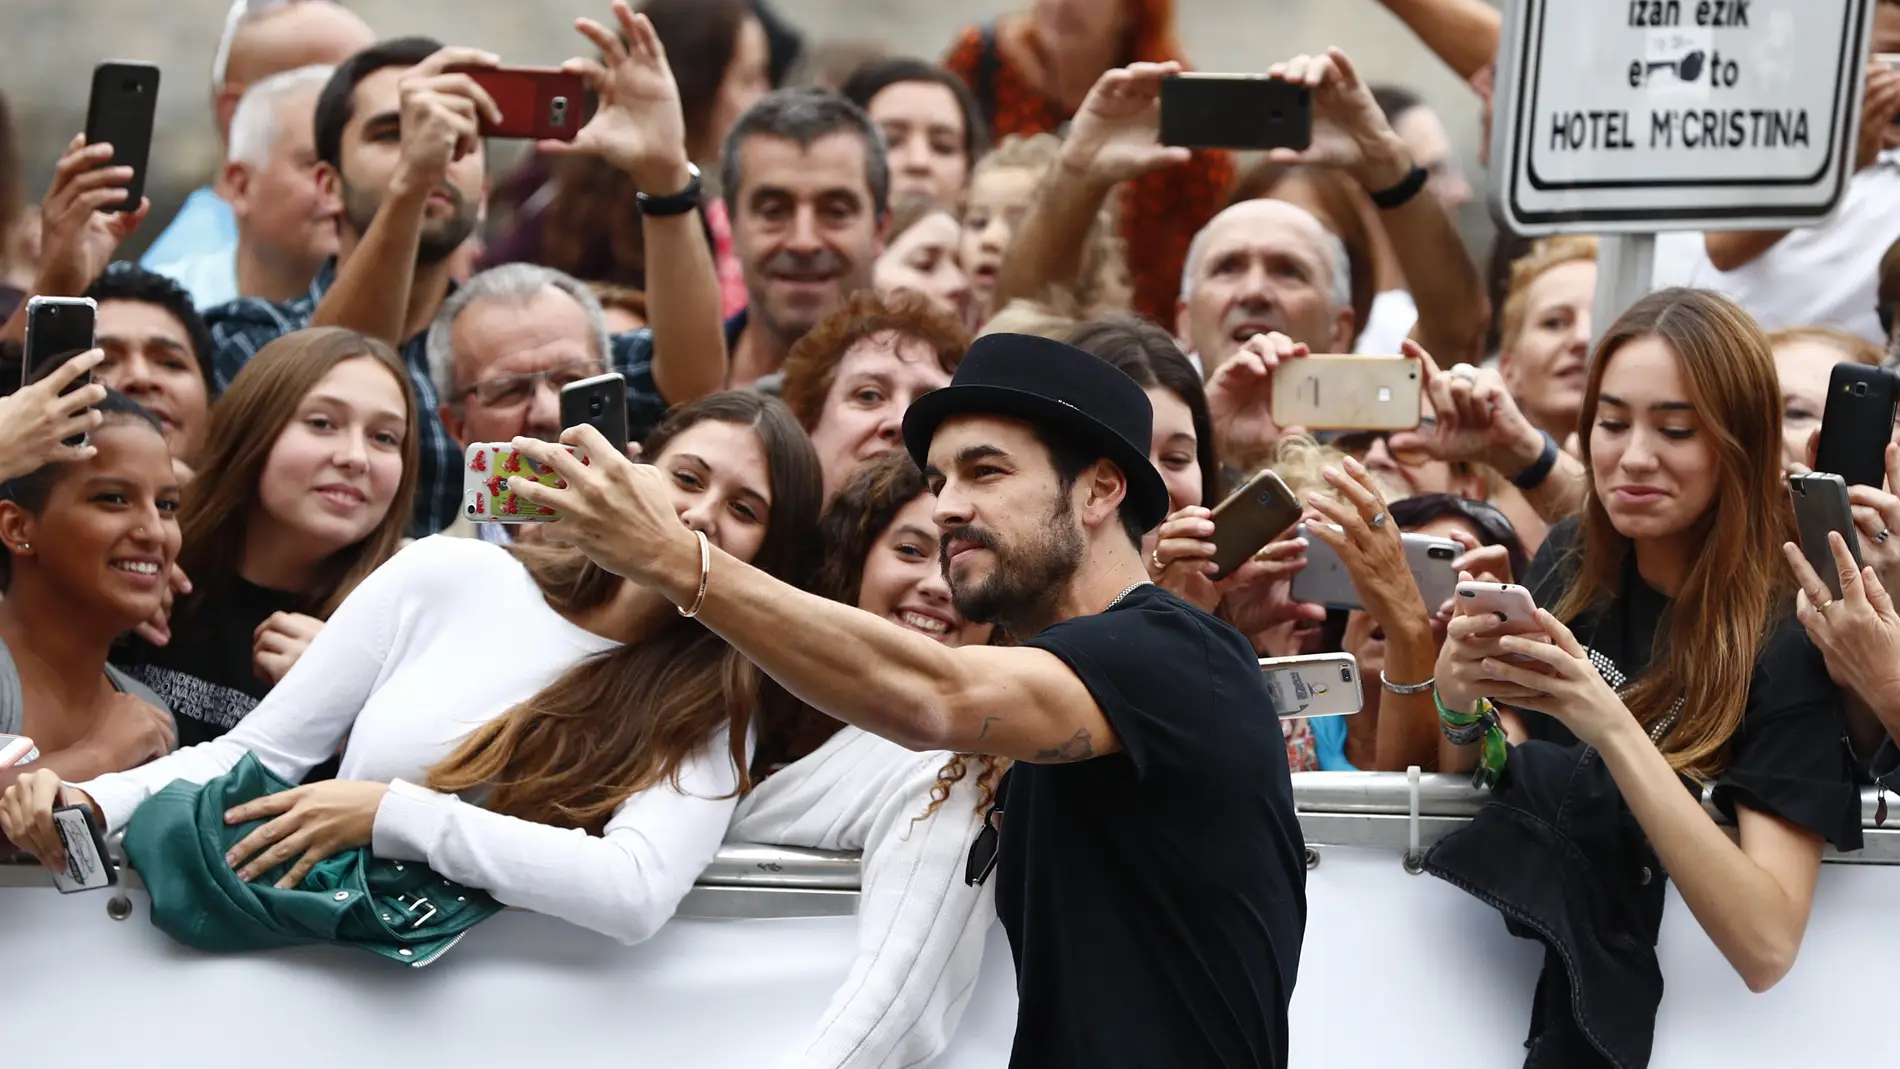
pixel 936 378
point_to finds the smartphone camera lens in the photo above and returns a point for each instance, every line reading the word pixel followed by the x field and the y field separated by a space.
pixel 594 406
pixel 1439 553
pixel 557 110
pixel 1345 674
pixel 1860 389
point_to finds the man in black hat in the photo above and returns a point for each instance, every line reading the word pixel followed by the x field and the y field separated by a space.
pixel 1150 872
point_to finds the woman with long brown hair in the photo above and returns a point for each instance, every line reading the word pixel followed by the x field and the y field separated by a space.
pixel 825 785
pixel 516 712
pixel 1669 648
pixel 304 487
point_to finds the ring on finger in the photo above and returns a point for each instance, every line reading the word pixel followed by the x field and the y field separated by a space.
pixel 1882 536
pixel 1464 371
pixel 1377 521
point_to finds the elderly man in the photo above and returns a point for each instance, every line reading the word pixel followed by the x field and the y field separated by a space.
pixel 260 38
pixel 499 353
pixel 286 228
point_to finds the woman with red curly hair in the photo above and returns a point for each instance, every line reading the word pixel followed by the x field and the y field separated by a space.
pixel 824 785
pixel 1030 73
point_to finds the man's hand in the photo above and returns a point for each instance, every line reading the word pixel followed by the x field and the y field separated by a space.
pixel 1349 130
pixel 278 642
pixel 36 420
pixel 638 126
pixel 1878 106
pixel 1240 399
pixel 614 510
pixel 1476 419
pixel 77 239
pixel 441 115
pixel 1115 135
pixel 158 630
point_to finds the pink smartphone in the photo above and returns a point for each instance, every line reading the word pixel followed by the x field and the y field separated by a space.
pixel 17 750
pixel 1511 604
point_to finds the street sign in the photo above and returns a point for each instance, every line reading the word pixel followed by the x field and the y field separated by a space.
pixel 1636 116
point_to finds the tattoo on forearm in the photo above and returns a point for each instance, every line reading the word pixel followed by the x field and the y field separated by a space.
pixel 1079 747
pixel 984 733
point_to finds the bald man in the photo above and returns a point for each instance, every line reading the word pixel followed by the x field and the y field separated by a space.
pixel 1264 266
pixel 261 38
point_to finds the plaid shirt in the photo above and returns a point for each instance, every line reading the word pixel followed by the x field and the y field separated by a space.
pixel 242 327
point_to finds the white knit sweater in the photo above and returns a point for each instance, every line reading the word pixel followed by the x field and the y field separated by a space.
pixel 921 929
pixel 446 636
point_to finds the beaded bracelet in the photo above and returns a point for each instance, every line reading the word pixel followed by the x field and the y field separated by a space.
pixel 1463 729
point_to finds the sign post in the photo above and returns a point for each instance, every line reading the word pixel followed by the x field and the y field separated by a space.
pixel 1630 117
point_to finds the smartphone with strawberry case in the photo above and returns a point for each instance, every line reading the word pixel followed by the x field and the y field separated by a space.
pixel 486 469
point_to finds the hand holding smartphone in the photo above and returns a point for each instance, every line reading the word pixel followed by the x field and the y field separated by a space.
pixel 1821 505
pixel 58 329
pixel 1249 519
pixel 537 103
pixel 486 497
pixel 1857 423
pixel 121 112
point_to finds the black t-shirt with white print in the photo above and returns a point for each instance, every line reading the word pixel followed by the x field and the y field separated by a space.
pixel 1155 898
pixel 206 671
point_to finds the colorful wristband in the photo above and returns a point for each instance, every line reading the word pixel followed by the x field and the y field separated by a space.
pixel 1482 727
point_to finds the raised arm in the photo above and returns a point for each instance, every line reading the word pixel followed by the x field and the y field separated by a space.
pixel 638 128
pixel 77 240
pixel 1351 133
pixel 1463 33
pixel 1114 137
pixel 440 120
pixel 1019 703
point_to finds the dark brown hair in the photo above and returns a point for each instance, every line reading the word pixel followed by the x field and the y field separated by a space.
pixel 1738 583
pixel 813 361
pixel 852 525
pixel 1338 210
pixel 1149 355
pixel 626 719
pixel 245 425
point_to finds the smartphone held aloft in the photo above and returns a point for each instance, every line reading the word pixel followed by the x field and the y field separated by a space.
pixel 1348 393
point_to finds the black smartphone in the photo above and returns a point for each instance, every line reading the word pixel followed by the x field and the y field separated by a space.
pixel 1858 423
pixel 123 107
pixel 1821 506
pixel 1235 111
pixel 599 402
pixel 58 329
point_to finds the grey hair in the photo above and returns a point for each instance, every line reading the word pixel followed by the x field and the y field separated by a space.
pixel 1335 254
pixel 802 116
pixel 255 125
pixel 512 284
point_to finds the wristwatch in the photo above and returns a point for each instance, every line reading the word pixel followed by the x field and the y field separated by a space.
pixel 686 200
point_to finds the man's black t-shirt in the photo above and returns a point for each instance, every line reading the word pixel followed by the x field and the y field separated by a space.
pixel 1155 898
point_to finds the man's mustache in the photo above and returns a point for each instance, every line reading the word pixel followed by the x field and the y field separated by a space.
pixel 962 534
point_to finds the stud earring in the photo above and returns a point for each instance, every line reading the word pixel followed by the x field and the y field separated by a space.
pixel 24 546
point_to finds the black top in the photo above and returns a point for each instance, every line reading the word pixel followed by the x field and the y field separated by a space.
pixel 1790 755
pixel 1155 898
pixel 205 673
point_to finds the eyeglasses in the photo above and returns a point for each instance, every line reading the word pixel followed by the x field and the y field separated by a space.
pixel 1359 443
pixel 513 391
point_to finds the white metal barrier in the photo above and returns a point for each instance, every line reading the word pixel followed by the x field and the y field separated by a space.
pixel 1398 969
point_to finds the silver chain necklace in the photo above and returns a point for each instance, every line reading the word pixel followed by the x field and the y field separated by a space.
pixel 1130 589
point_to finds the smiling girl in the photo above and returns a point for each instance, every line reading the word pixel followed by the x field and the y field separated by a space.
pixel 307 477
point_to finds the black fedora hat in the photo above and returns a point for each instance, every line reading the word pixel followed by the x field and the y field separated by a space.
pixel 1072 394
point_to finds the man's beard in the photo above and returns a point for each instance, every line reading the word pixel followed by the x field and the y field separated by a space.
pixel 440 238
pixel 1021 591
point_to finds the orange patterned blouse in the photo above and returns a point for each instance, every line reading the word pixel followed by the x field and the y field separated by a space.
pixel 1161 212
